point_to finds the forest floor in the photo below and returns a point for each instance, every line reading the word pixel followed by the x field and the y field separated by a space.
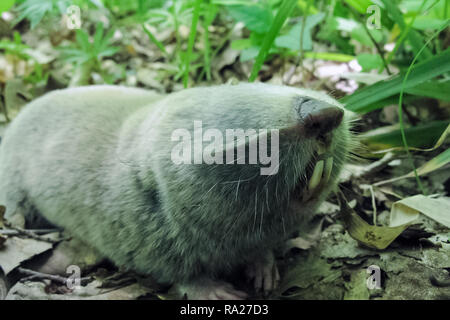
pixel 324 263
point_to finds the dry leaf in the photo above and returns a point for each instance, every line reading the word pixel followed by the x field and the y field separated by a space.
pixel 17 250
pixel 407 210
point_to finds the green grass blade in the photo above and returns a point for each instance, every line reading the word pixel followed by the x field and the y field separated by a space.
pixel 330 56
pixel 210 11
pixel 207 54
pixel 437 162
pixel 282 14
pixel 360 5
pixel 5 5
pixel 153 39
pixel 424 71
pixel 402 37
pixel 413 36
pixel 192 35
pixel 421 136
pixel 400 104
pixel 98 37
pixel 380 104
pixel 432 89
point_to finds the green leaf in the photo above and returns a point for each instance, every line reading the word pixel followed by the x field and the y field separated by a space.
pixel 98 37
pixel 191 41
pixel 360 35
pixel 415 39
pixel 361 99
pixel 283 13
pixel 231 2
pixel 437 162
pixel 82 38
pixel 255 17
pixel 106 39
pixel 369 61
pixel 388 102
pixel 154 40
pixel 18 48
pixel 34 10
pixel 420 136
pixel 331 56
pixel 432 89
pixel 241 44
pixel 249 53
pixel 360 5
pixel 291 40
pixel 5 5
pixel 108 52
pixel 427 23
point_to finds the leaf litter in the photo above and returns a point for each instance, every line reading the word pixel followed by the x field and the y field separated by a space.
pixel 409 241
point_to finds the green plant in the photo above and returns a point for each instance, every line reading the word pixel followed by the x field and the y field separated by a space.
pixel 15 47
pixel 280 18
pixel 171 17
pixel 5 5
pixel 134 9
pixel 38 75
pixel 366 99
pixel 209 12
pixel 184 13
pixel 192 33
pixel 23 52
pixel 87 54
pixel 86 50
pixel 35 10
pixel 400 106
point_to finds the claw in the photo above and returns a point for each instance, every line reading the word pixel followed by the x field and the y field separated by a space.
pixel 265 274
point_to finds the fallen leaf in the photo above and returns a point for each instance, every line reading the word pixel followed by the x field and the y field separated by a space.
pixel 17 250
pixel 306 273
pixel 344 247
pixel 407 210
pixel 369 235
pixel 32 290
pixel 357 287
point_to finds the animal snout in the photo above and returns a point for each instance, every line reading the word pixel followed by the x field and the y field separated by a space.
pixel 318 118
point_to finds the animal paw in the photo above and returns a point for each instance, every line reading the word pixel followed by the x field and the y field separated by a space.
pixel 208 289
pixel 264 274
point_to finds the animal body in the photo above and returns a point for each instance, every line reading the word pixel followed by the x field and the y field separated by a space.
pixel 99 162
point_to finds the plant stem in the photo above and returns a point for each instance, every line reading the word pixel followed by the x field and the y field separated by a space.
pixel 192 34
pixel 402 129
pixel 282 14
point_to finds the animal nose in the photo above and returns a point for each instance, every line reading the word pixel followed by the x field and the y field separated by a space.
pixel 318 117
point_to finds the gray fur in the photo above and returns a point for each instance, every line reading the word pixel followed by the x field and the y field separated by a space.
pixel 96 161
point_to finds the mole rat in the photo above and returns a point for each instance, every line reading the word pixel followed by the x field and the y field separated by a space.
pixel 168 185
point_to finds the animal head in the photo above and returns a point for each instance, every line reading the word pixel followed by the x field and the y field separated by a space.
pixel 259 154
